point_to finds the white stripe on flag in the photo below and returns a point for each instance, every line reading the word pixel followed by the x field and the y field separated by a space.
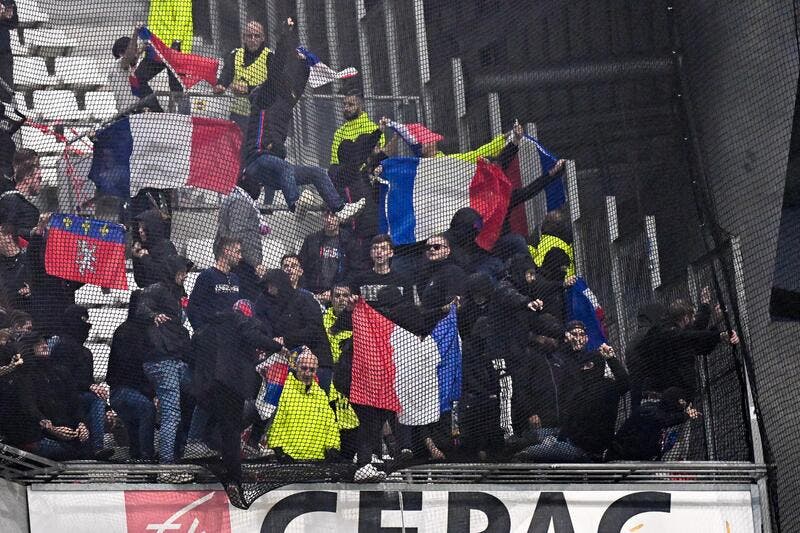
pixel 530 168
pixel 441 187
pixel 416 379
pixel 162 147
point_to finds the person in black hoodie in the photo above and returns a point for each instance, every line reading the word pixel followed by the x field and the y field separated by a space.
pixel 14 270
pixel 440 281
pixel 152 249
pixel 326 256
pixel 592 386
pixel 264 151
pixel 50 421
pixel 161 309
pixel 225 357
pixel 131 392
pixel 70 353
pixel 295 317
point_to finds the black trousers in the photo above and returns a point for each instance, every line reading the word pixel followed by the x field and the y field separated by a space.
pixel 370 431
pixel 7 73
pixel 149 69
pixel 226 409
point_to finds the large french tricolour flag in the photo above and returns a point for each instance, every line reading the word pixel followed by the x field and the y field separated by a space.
pixel 166 151
pixel 533 160
pixel 419 379
pixel 421 195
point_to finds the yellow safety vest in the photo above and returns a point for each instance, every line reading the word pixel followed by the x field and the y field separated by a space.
pixel 253 74
pixel 547 243
pixel 171 20
pixel 490 149
pixel 352 130
pixel 346 417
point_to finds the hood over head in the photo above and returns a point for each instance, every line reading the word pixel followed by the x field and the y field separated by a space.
pixel 553 264
pixel 465 226
pixel 75 323
pixel 651 314
pixel 280 280
pixel 354 153
pixel 480 286
pixel 155 227
pixel 518 266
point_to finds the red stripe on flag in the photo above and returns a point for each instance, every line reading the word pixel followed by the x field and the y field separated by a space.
pixel 190 68
pixel 96 261
pixel 373 374
pixel 489 195
pixel 216 149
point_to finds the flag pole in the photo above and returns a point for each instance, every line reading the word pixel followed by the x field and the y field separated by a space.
pixel 125 112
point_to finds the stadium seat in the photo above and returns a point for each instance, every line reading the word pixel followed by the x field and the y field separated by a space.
pixel 101 105
pixel 80 73
pixel 200 252
pixel 31 73
pixel 49 177
pixel 274 248
pixel 43 144
pixel 17 48
pixel 100 352
pixel 30 16
pixel 22 105
pixel 93 296
pixel 48 43
pixel 104 321
pixel 58 105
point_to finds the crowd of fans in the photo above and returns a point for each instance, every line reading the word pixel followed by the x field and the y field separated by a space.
pixel 531 390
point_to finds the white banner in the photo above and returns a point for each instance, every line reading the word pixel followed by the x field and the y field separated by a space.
pixel 464 510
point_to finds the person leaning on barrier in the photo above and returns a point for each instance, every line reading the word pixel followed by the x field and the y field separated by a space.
pixel 305 427
pixel 264 150
pixel 245 68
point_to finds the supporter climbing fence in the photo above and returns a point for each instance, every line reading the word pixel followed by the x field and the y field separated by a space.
pixel 328 257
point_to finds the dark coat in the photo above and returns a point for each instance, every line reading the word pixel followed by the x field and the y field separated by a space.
pixel 152 268
pixel 50 295
pixel 70 351
pixel 129 348
pixel 169 340
pixel 438 282
pixel 17 210
pixel 311 258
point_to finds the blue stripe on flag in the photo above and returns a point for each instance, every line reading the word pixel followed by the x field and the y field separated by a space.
pixel 398 204
pixel 579 307
pixel 449 372
pixel 111 163
pixel 554 192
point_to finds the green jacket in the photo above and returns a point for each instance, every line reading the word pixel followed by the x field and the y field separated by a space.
pixel 304 425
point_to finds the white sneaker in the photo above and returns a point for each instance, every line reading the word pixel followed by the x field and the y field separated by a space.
pixel 368 474
pixel 306 202
pixel 350 210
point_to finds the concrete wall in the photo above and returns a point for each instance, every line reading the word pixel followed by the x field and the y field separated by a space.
pixel 743 66
pixel 13 508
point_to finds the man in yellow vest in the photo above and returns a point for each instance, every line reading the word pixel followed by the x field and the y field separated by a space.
pixel 245 69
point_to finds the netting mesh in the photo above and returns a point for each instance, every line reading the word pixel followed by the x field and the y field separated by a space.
pixel 221 244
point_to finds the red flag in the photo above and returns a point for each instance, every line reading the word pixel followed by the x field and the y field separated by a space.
pixel 189 68
pixel 86 250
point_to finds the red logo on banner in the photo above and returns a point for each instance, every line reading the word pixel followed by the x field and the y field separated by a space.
pixel 177 511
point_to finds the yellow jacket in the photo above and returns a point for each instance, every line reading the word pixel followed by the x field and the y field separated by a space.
pixel 352 130
pixel 171 20
pixel 304 425
pixel 490 149
pixel 346 416
pixel 547 243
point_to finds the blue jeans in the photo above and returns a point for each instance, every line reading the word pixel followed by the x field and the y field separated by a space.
pixel 198 430
pixel 138 414
pixel 168 378
pixel 277 173
pixel 555 450
pixel 95 409
pixel 60 450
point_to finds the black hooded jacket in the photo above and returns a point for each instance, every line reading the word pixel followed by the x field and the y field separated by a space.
pixel 129 347
pixel 70 352
pixel 295 315
pixel 50 295
pixel 169 340
pixel 151 267
pixel 464 228
pixel 438 282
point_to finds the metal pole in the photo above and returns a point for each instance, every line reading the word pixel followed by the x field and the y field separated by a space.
pixel 332 35
pixel 460 99
pixel 302 29
pixel 575 215
pixel 652 251
pixel 390 23
pixel 617 287
pixel 536 207
pixel 242 15
pixel 363 49
pixel 273 23
pixel 423 62
pixel 495 118
pixel 213 13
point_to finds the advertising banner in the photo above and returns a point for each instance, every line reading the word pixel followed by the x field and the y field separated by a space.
pixel 465 509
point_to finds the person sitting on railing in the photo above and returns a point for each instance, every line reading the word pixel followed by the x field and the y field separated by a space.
pixel 69 352
pixel 50 421
pixel 264 150
pixel 245 68
pixel 592 386
pixel 326 256
pixel 305 427
pixel 240 219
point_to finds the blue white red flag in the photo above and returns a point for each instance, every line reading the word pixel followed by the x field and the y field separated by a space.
pixel 419 379
pixel 582 305
pixel 423 194
pixel 321 74
pixel 86 250
pixel 188 68
pixel 166 151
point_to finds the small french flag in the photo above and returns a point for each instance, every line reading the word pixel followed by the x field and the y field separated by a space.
pixel 321 74
pixel 415 135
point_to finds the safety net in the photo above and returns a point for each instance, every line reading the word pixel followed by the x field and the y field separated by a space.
pixel 319 240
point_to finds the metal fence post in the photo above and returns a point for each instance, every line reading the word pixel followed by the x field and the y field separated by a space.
pixel 536 207
pixel 652 251
pixel 617 287
pixel 575 215
pixel 423 62
pixel 273 23
pixel 460 99
pixel 332 35
pixel 363 49
pixel 390 22
pixel 495 118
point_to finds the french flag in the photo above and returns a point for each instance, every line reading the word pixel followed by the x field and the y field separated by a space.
pixel 421 195
pixel 321 74
pixel 582 305
pixel 166 151
pixel 188 68
pixel 273 373
pixel 415 135
pixel 393 369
